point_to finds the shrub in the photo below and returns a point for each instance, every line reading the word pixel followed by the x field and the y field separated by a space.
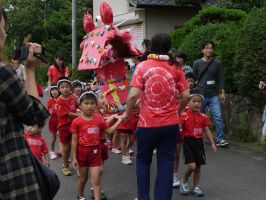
pixel 84 76
pixel 223 36
pixel 205 16
pixel 241 131
pixel 41 74
pixel 250 56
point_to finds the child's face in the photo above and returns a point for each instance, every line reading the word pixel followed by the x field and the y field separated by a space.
pixel 54 93
pixel 94 87
pixel 65 89
pixel 77 91
pixel 35 129
pixel 191 82
pixel 88 107
pixel 180 60
pixel 195 103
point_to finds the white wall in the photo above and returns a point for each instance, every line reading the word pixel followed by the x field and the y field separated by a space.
pixel 118 7
pixel 165 19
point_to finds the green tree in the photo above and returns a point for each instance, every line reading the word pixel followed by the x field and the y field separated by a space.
pixel 250 55
pixel 48 21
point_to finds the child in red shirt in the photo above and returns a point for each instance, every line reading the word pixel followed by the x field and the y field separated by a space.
pixel 52 107
pixel 37 142
pixel 66 112
pixel 191 79
pixel 86 148
pixel 194 125
pixel 76 89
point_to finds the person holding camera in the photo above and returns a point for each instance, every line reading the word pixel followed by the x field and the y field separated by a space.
pixel 18 106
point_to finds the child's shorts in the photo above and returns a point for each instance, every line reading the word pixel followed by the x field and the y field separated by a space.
pixel 104 148
pixel 64 134
pixel 193 150
pixel 52 125
pixel 89 156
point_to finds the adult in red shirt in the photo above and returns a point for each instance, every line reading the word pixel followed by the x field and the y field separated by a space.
pixel 57 70
pixel 158 79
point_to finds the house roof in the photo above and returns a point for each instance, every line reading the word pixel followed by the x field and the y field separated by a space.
pixel 163 3
pixel 152 3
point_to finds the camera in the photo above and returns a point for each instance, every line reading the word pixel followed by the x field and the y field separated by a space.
pixel 23 53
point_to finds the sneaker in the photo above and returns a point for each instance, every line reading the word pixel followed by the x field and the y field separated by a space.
pixel 58 154
pixel 126 160
pixel 184 188
pixel 222 143
pixel 116 151
pixel 154 152
pixel 130 151
pixel 197 192
pixel 66 171
pixel 176 182
pixel 81 198
pixel 103 196
pixel 53 155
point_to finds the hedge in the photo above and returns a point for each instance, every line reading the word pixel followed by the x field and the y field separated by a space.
pixel 205 16
pixel 250 55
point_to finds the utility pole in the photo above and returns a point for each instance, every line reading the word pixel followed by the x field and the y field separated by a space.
pixel 74 33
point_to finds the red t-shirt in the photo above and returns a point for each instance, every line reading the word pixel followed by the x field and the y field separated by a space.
pixel 88 130
pixel 37 145
pixel 54 74
pixel 193 124
pixel 64 107
pixel 52 107
pixel 160 83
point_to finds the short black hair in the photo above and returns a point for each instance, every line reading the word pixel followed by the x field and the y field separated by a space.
pixel 40 123
pixel 62 78
pixel 76 84
pixel 190 75
pixel 207 42
pixel 181 54
pixel 196 91
pixel 88 96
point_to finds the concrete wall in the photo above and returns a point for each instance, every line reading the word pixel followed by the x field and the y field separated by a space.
pixel 118 7
pixel 165 19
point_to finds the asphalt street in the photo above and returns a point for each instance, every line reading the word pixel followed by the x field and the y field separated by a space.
pixel 231 173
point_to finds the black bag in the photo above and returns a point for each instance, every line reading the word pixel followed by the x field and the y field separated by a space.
pixel 204 71
pixel 48 181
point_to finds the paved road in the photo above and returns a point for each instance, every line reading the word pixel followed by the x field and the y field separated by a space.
pixel 230 174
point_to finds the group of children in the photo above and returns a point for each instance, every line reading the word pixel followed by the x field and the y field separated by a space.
pixel 76 117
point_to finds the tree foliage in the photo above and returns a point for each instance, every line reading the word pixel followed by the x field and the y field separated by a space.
pixel 222 35
pixel 48 21
pixel 205 16
pixel 250 55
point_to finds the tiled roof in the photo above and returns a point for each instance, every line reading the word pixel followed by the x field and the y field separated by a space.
pixel 167 3
pixel 141 3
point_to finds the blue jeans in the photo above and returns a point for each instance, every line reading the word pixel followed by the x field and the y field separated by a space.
pixel 214 105
pixel 164 139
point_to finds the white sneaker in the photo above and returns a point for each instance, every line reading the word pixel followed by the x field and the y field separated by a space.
pixel 116 151
pixel 53 155
pixel 176 181
pixel 130 151
pixel 154 152
pixel 126 160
